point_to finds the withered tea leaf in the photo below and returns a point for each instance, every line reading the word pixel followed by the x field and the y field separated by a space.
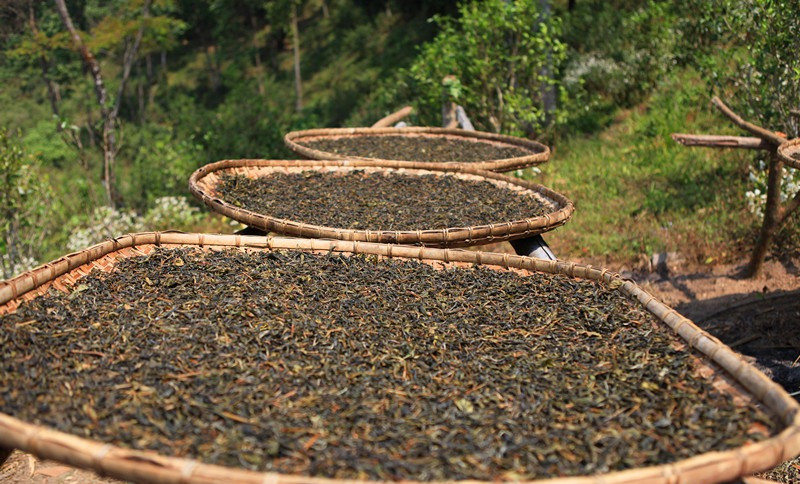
pixel 354 367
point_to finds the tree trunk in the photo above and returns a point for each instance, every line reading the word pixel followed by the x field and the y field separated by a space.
pixel 109 115
pixel 90 125
pixel 257 55
pixel 298 87
pixel 548 89
pixel 771 214
pixel 44 64
pixel 149 84
pixel 213 74
pixel 128 59
pixel 109 150
pixel 140 93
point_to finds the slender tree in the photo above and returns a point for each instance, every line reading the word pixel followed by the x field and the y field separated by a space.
pixel 44 65
pixel 298 81
pixel 108 112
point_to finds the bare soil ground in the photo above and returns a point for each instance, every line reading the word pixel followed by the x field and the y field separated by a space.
pixel 758 317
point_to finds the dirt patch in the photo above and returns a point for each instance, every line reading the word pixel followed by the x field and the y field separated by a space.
pixel 759 317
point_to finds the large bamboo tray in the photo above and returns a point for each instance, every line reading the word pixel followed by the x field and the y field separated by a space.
pixel 539 153
pixel 787 149
pixel 709 468
pixel 204 181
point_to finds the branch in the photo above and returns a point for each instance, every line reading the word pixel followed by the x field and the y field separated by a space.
pixel 393 118
pixel 762 133
pixel 721 141
pixel 127 60
pixel 91 62
pixel 795 112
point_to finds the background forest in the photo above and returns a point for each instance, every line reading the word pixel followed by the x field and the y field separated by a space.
pixel 184 83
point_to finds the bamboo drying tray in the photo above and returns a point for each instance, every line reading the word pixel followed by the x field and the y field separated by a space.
pixel 787 149
pixel 539 153
pixel 204 181
pixel 139 466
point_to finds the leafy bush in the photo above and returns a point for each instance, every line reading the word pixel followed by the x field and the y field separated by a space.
pixel 161 164
pixel 618 51
pixel 761 79
pixel 26 204
pixel 106 222
pixel 504 56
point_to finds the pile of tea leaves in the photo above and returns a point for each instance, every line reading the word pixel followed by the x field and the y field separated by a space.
pixel 354 367
pixel 416 148
pixel 379 200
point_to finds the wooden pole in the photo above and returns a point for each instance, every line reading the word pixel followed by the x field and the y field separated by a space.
pixel 393 118
pixel 721 141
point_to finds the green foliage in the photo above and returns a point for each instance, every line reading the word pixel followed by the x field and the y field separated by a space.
pixel 161 166
pixel 214 80
pixel 166 213
pixel 638 192
pixel 502 55
pixel 618 51
pixel 25 203
pixel 761 78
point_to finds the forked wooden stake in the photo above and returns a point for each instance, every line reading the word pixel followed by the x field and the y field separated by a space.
pixel 774 214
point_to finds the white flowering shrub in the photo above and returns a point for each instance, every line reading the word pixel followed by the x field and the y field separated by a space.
pixel 171 213
pixel 534 170
pixel 757 197
pixel 105 222
pixel 17 266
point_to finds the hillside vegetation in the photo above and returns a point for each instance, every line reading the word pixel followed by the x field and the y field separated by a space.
pixel 187 83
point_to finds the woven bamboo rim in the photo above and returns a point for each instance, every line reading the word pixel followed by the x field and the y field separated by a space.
pixel 786 150
pixel 539 152
pixel 138 466
pixel 203 184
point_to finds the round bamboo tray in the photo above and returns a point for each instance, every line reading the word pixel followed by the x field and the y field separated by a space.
pixel 139 466
pixel 538 153
pixel 204 181
pixel 787 152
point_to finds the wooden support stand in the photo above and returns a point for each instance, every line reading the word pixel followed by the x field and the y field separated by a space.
pixel 250 231
pixel 533 247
